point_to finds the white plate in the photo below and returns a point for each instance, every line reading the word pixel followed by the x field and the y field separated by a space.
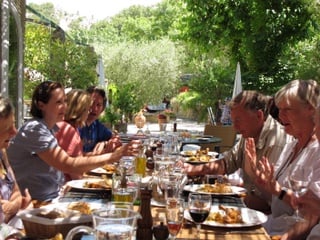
pixel 100 171
pixel 195 188
pixel 204 139
pixel 249 216
pixel 79 184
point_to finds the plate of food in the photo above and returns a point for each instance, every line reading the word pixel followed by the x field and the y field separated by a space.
pixel 91 184
pixel 199 156
pixel 215 189
pixel 107 170
pixel 234 217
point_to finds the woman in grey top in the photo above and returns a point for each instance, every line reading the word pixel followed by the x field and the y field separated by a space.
pixel 36 157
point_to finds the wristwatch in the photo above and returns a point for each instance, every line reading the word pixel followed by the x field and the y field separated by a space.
pixel 283 192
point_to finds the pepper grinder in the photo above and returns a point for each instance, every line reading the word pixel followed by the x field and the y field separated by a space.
pixel 144 225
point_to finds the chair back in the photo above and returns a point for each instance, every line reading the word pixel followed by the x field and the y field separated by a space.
pixel 227 134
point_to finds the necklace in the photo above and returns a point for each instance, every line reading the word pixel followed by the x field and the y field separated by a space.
pixel 293 155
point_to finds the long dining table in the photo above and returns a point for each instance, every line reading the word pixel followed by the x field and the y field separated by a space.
pixel 188 231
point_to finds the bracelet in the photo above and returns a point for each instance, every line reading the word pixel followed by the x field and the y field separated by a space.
pixel 282 193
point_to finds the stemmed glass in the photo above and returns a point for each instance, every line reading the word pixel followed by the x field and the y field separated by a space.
pixel 174 215
pixel 199 208
pixel 299 178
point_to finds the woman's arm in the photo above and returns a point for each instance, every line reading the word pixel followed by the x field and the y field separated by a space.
pixel 59 159
pixel 12 206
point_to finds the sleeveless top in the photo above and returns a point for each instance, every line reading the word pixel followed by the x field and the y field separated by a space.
pixel 6 178
pixel 7 181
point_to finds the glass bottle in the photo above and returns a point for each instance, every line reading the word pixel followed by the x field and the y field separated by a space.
pixel 141 162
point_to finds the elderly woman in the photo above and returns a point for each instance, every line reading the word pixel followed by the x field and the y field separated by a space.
pixel 309 203
pixel 36 157
pixel 297 103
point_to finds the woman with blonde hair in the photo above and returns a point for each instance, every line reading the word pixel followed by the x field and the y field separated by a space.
pixel 78 105
pixel 297 102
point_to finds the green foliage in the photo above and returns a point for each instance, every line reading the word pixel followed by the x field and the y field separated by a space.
pixel 256 33
pixel 151 70
pixel 124 100
pixel 212 83
pixel 67 62
pixel 110 116
pixel 146 49
pixel 303 60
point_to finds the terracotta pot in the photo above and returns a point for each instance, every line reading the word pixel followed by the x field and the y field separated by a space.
pixel 162 124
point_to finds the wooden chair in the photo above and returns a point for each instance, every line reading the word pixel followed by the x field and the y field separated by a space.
pixel 227 134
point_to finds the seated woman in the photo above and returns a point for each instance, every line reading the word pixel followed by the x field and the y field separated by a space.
pixel 297 102
pixel 36 157
pixel 11 199
pixel 78 105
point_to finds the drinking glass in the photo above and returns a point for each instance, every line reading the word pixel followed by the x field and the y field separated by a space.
pixel 109 224
pixel 174 215
pixel 199 208
pixel 299 178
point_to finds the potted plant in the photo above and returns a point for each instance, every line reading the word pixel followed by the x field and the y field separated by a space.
pixel 110 117
pixel 162 120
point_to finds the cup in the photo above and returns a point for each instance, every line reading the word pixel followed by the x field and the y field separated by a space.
pixel 128 163
pixel 128 192
pixel 109 224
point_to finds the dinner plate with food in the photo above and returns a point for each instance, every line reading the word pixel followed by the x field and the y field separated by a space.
pixel 91 184
pixel 199 156
pixel 215 189
pixel 234 217
pixel 107 170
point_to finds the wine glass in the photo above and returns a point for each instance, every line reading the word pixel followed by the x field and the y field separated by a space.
pixel 199 208
pixel 174 215
pixel 299 178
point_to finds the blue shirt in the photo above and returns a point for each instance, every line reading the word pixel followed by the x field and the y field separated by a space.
pixel 91 135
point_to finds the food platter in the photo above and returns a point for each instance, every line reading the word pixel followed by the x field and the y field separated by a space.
pixel 249 217
pixel 197 188
pixel 192 162
pixel 90 184
pixel 193 153
pixel 199 156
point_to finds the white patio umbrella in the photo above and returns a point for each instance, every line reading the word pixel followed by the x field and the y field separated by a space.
pixel 100 73
pixel 237 87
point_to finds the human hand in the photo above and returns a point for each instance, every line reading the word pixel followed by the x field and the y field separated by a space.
pixel 250 165
pixel 309 203
pixel 191 170
pixel 112 144
pixel 265 176
pixel 26 199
